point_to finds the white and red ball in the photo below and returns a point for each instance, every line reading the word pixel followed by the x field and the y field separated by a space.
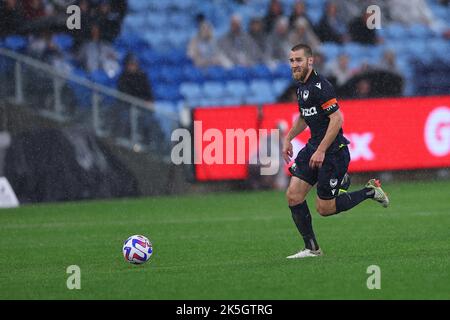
pixel 137 249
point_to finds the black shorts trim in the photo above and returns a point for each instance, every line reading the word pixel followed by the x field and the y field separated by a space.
pixel 325 198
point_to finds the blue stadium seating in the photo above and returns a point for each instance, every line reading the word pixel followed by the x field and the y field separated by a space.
pixel 260 71
pixel 236 88
pixel 213 89
pixel 260 87
pixel 15 43
pixel 280 85
pixel 167 92
pixel 99 76
pixel 215 73
pixel 138 5
pixel 190 90
pixel 192 74
pixel 63 41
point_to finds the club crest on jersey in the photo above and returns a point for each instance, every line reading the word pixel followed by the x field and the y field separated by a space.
pixel 333 182
pixel 305 95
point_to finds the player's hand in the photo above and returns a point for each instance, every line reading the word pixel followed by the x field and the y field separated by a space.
pixel 317 158
pixel 287 151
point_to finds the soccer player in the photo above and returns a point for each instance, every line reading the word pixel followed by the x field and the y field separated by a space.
pixel 325 158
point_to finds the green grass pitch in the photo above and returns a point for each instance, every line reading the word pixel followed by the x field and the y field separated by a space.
pixel 229 246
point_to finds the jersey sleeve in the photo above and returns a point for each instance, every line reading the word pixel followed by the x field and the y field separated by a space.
pixel 327 98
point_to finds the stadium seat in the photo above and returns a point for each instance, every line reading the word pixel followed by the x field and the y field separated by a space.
pixel 16 43
pixel 280 85
pixel 419 31
pixel 63 41
pixel 213 89
pixel 99 76
pixel 138 5
pixel 135 22
pixel 167 92
pixel 239 73
pixel 396 31
pixel 260 71
pixel 330 50
pixel 190 90
pixel 215 73
pixel 192 74
pixel 236 88
pixel 157 21
pixel 172 74
pixel 260 98
pixel 232 101
pixel 177 39
pixel 261 87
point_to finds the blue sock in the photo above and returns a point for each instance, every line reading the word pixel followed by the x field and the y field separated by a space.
pixel 348 200
pixel 303 221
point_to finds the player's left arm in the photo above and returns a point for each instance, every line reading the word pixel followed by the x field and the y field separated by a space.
pixel 334 126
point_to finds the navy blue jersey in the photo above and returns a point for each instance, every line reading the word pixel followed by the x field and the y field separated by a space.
pixel 316 101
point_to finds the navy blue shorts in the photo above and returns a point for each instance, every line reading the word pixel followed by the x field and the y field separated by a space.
pixel 328 177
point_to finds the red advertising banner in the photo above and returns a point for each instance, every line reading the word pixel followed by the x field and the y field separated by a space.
pixel 385 134
pixel 210 143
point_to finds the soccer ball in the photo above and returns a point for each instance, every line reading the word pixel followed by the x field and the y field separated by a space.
pixel 137 249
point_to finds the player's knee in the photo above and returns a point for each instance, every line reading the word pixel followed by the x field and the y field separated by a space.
pixel 324 210
pixel 294 198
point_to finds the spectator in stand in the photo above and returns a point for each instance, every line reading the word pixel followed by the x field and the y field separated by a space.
pixel 34 9
pixel 359 32
pixel 11 17
pixel 319 61
pixel 257 32
pixel 338 70
pixel 134 81
pixel 275 11
pixel 363 89
pixel 389 62
pixel 238 46
pixel 98 54
pixel 298 11
pixel 109 21
pixel 203 48
pixel 43 48
pixel 330 28
pixel 303 33
pixel 278 45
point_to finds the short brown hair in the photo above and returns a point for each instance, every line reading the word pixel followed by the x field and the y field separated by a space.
pixel 307 49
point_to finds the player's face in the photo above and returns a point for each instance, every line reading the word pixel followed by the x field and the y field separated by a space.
pixel 300 64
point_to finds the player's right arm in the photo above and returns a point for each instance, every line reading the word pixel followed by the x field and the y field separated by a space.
pixel 297 128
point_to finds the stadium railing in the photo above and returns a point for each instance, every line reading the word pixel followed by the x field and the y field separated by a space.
pixel 65 95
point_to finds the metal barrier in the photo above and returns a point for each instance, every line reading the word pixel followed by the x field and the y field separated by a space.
pixel 63 96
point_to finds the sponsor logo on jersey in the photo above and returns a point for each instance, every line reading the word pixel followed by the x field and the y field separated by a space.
pixel 309 112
